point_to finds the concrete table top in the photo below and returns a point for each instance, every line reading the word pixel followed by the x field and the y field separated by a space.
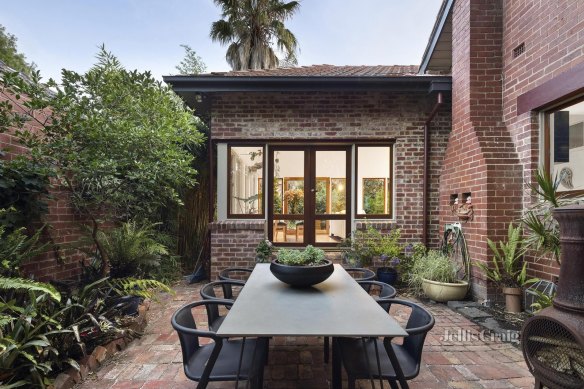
pixel 337 307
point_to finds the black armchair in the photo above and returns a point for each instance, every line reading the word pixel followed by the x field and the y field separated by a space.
pixel 372 358
pixel 361 274
pixel 220 360
pixel 209 292
pixel 235 274
pixel 379 290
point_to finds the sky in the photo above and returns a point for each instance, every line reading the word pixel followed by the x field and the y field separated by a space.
pixel 147 34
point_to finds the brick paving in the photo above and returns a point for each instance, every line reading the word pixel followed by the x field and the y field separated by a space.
pixel 463 360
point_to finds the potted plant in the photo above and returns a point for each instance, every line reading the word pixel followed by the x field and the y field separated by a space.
pixel 390 253
pixel 506 270
pixel 362 247
pixel 301 268
pixel 264 251
pixel 367 245
pixel 434 274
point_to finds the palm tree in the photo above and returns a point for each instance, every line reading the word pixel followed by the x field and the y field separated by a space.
pixel 251 28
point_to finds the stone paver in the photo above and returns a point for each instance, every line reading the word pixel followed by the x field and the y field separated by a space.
pixel 456 355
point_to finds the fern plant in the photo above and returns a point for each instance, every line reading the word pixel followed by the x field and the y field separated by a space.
pixel 506 269
pixel 16 247
pixel 132 249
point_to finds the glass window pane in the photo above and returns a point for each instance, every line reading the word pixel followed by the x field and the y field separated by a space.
pixel 331 172
pixel 288 231
pixel 289 182
pixel 567 147
pixel 289 196
pixel 246 175
pixel 330 231
pixel 373 180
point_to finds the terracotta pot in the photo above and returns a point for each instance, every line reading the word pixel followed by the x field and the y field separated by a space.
pixel 443 291
pixel 512 299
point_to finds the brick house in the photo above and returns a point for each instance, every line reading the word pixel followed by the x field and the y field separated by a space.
pixel 497 94
pixel 341 146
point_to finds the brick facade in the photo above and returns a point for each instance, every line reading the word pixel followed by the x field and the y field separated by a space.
pixel 492 153
pixel 335 115
pixel 59 262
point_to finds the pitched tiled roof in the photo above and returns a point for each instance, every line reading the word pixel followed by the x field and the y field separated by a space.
pixel 327 71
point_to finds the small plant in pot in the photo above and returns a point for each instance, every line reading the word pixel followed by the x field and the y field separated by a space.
pixel 506 270
pixel 390 253
pixel 301 268
pixel 434 274
pixel 264 251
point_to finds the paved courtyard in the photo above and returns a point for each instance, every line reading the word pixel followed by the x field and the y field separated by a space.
pixel 456 355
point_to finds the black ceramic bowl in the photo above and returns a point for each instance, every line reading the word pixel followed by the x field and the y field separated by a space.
pixel 301 276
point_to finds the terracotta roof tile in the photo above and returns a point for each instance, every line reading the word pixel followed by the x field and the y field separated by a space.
pixel 327 71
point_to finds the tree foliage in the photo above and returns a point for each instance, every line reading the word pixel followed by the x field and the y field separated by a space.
pixel 191 63
pixel 119 141
pixel 252 28
pixel 9 53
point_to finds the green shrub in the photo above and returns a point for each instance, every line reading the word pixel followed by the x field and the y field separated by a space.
pixel 434 266
pixel 132 249
pixel 311 256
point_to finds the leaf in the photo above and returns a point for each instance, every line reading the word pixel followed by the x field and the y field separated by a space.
pixel 22 284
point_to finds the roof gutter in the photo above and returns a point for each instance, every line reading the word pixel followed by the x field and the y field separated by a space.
pixel 210 84
pixel 435 35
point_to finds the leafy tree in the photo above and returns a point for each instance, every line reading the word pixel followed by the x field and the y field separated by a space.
pixel 251 27
pixel 191 63
pixel 119 141
pixel 10 55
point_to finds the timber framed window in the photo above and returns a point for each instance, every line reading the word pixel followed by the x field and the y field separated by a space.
pixel 374 181
pixel 564 146
pixel 245 181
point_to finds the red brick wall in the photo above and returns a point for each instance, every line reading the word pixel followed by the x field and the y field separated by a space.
pixel 233 244
pixel 492 152
pixel 63 226
pixel 480 157
pixel 553 34
pixel 349 115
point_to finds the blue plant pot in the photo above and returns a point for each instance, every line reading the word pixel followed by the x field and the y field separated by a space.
pixel 389 276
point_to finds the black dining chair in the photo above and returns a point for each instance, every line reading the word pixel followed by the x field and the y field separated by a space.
pixel 210 291
pixel 361 274
pixel 377 290
pixel 222 359
pixel 373 358
pixel 235 274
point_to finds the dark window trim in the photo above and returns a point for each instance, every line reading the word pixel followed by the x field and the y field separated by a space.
pixel 231 215
pixel 309 218
pixel 389 215
pixel 547 163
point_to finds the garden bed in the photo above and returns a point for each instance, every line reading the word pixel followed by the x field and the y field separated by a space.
pixel 101 354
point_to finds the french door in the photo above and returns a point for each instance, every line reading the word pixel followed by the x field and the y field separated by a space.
pixel 309 195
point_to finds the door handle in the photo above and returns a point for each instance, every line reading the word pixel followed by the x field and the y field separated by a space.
pixel 313 190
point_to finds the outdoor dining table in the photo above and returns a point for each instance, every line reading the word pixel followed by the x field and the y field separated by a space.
pixel 337 307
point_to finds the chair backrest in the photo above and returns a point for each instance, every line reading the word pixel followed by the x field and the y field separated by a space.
pixel 361 274
pixel 235 274
pixel 419 324
pixel 208 293
pixel 183 321
pixel 380 290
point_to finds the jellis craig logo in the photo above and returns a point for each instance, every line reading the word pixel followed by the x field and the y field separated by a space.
pixel 466 335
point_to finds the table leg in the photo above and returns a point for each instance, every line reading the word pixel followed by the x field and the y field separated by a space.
pixel 337 378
